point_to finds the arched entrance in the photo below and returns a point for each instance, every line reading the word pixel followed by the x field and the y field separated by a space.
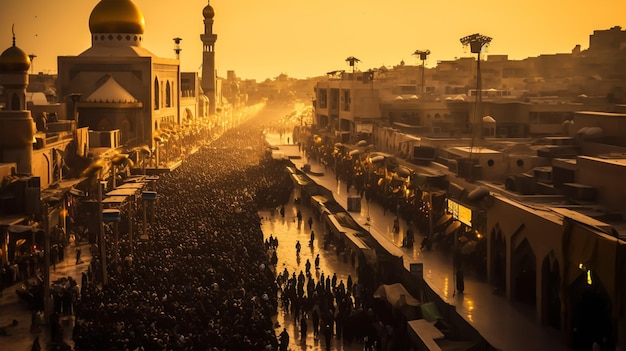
pixel 550 297
pixel 498 260
pixel 590 314
pixel 524 273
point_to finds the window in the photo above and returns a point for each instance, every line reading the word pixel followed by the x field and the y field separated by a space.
pixel 168 95
pixel 323 96
pixel 156 93
pixel 346 100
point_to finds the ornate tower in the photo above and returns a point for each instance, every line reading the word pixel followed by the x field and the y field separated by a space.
pixel 17 128
pixel 208 57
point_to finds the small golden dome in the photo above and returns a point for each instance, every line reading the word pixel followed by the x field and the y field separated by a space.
pixel 116 16
pixel 14 59
pixel 208 12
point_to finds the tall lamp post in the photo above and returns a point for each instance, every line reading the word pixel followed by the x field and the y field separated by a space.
pixel 352 62
pixel 476 42
pixel 177 48
pixel 94 173
pixel 32 67
pixel 423 55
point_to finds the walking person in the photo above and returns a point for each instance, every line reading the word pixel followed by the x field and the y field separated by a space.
pixel 317 261
pixel 303 328
pixel 312 237
pixel 284 340
pixel 78 252
pixel 315 316
pixel 310 222
pixel 328 334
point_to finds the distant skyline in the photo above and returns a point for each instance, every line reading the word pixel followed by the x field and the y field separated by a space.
pixel 262 39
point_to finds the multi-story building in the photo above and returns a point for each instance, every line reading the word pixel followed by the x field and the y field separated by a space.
pixel 348 106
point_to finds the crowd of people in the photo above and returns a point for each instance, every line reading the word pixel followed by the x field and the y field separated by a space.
pixel 203 279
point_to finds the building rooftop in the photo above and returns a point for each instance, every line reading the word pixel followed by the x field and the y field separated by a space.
pixel 619 160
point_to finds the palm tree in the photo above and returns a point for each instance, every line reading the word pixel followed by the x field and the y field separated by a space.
pixel 120 160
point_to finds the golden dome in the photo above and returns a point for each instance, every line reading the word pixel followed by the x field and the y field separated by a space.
pixel 208 12
pixel 14 59
pixel 116 16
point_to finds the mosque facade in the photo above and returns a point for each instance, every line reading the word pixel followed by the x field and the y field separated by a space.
pixel 121 85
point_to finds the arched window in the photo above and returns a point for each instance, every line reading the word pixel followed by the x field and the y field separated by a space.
pixel 168 96
pixel 156 94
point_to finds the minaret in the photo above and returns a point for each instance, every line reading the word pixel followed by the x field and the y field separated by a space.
pixel 209 74
pixel 17 128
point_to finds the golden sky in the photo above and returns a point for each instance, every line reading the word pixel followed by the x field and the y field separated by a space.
pixel 261 39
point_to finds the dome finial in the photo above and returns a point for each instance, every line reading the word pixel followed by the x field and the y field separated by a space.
pixel 13 32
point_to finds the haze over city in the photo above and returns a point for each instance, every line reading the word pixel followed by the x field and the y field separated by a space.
pixel 262 39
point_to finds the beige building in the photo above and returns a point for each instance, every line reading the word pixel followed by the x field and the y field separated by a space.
pixel 348 106
pixel 122 85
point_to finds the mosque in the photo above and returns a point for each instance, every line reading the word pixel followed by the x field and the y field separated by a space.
pixel 119 97
pixel 124 92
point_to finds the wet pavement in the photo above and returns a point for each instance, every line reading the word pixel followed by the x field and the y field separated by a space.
pixel 498 320
pixel 12 308
pixel 288 231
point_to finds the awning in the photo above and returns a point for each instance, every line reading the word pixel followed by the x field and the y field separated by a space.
pixel 9 221
pixel 397 295
pixel 122 192
pixel 114 199
pixel 299 179
pixel 453 227
pixel 443 219
pixel 20 228
pixel 132 186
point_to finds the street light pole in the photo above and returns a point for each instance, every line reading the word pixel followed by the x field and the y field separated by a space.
pixel 177 48
pixel 32 67
pixel 103 256
pixel 476 42
pixel 423 56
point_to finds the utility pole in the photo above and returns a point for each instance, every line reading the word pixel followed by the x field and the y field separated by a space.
pixel 423 55
pixel 46 257
pixel 32 67
pixel 103 256
pixel 177 48
pixel 476 42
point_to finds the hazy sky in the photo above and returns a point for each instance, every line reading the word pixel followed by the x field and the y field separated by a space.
pixel 306 38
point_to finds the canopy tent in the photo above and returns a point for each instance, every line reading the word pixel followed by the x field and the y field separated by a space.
pixel 452 227
pixel 397 295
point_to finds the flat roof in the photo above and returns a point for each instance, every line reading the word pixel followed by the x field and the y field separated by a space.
pixel 122 192
pixel 476 150
pixel 596 113
pixel 613 161
pixel 582 218
pixel 114 199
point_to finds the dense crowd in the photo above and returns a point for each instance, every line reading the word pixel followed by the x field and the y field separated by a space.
pixel 203 280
